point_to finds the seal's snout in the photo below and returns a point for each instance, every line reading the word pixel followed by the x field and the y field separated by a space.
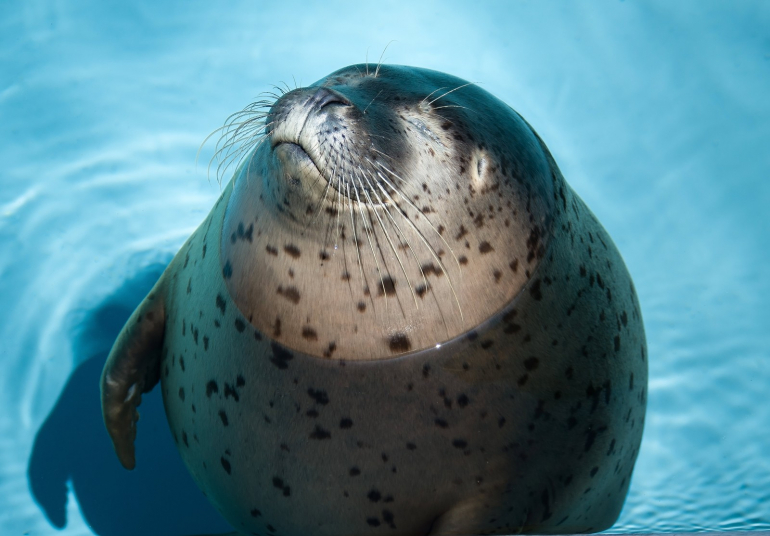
pixel 325 97
pixel 290 113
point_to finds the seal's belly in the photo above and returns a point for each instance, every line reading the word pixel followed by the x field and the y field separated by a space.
pixel 494 420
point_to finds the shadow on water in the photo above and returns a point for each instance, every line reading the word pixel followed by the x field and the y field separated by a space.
pixel 159 496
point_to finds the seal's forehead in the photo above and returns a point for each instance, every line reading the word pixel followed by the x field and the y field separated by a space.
pixel 407 80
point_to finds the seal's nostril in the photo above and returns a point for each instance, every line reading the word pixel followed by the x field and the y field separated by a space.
pixel 324 97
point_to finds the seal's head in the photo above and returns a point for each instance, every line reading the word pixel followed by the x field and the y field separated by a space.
pixel 384 211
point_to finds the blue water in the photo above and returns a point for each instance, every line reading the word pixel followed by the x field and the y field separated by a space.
pixel 658 114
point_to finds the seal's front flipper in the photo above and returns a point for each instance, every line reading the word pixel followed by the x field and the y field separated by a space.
pixel 133 368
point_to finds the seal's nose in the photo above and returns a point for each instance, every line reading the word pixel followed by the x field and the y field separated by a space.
pixel 325 96
pixel 288 114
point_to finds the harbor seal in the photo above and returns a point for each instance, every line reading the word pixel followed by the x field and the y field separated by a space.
pixel 398 318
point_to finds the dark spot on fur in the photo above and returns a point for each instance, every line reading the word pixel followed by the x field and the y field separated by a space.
pixel 309 334
pixel 255 513
pixel 239 325
pixel 320 433
pixel 459 443
pixel 181 394
pixel 462 400
pixel 374 496
pixel 399 343
pixel 223 416
pixel 531 363
pixel 535 291
pixel 211 388
pixel 441 423
pixel 387 286
pixel 354 471
pixel 226 465
pixel 330 350
pixel 221 304
pixel 373 521
pixel 511 328
pixel 388 517
pixel 411 446
pixel 292 250
pixel 231 392
pixel 271 250
pixel 319 396
pixel 290 293
pixel 281 356
pixel 485 247
pixel 346 423
pixel 487 344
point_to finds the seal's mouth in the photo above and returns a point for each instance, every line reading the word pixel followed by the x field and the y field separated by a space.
pixel 294 156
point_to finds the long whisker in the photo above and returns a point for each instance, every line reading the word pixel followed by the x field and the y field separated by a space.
pixel 420 234
pixel 414 254
pixel 370 103
pixel 398 228
pixel 243 132
pixel 429 95
pixel 450 91
pixel 379 63
pixel 387 236
pixel 371 245
pixel 355 241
